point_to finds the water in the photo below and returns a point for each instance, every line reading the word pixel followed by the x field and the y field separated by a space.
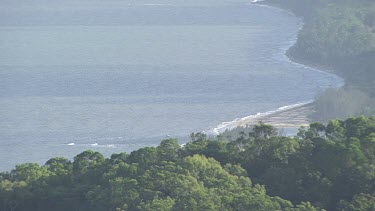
pixel 116 78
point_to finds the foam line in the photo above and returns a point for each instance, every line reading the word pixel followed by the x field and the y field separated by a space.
pixel 236 122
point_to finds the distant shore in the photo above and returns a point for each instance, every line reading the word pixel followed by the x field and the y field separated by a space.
pixel 295 117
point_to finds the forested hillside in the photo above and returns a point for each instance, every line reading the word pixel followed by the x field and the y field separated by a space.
pixel 328 166
pixel 324 167
pixel 339 35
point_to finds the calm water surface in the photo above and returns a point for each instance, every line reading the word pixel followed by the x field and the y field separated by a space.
pixel 116 78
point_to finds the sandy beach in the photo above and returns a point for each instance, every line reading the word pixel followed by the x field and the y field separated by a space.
pixel 288 118
pixel 294 117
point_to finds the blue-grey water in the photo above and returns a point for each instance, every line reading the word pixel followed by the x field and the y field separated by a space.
pixel 119 77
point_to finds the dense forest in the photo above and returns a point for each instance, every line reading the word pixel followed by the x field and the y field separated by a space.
pixel 338 35
pixel 324 167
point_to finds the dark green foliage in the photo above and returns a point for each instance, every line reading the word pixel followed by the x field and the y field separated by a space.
pixel 336 32
pixel 325 164
pixel 331 166
pixel 342 103
pixel 340 35
pixel 161 178
pixel 361 202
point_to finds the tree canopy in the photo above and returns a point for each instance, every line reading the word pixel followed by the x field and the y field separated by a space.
pixel 328 166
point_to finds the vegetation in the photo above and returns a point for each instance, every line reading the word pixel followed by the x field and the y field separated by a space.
pixel 339 34
pixel 161 178
pixel 342 103
pixel 329 166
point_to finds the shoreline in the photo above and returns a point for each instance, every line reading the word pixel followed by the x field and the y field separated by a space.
pixel 294 117
pixel 291 116
pixel 285 117
pixel 331 69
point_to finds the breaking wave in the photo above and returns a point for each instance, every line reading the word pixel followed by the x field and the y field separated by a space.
pixel 236 122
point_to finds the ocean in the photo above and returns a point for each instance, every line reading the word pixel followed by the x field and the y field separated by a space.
pixel 118 77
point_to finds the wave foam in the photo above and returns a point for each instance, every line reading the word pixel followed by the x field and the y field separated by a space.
pixel 94 145
pixel 283 57
pixel 237 122
pixel 150 4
